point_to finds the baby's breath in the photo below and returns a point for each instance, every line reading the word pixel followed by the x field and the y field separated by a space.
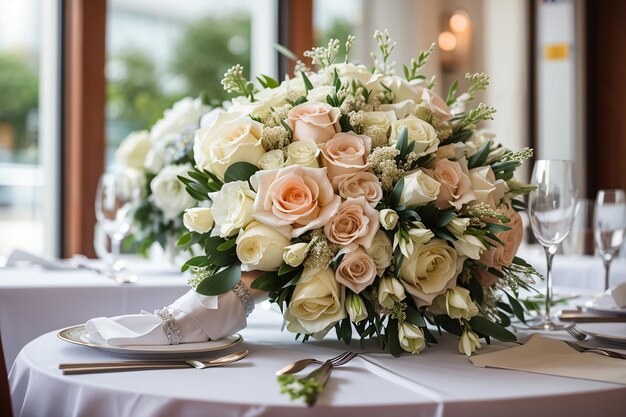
pixel 349 43
pixel 483 210
pixel 482 112
pixel 275 137
pixel 324 56
pixel 321 250
pixel 382 162
pixel 235 82
pixel 385 46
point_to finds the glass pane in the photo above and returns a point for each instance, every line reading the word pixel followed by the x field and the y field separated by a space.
pixel 20 167
pixel 161 51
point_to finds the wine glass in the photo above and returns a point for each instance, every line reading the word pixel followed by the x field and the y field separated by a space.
pixel 116 199
pixel 551 208
pixel 609 225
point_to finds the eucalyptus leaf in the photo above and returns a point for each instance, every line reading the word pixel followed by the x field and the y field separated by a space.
pixel 240 171
pixel 286 52
pixel 488 328
pixel 267 281
pixel 393 341
pixel 221 282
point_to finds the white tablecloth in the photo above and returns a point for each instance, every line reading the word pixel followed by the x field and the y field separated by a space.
pixel 33 301
pixel 439 382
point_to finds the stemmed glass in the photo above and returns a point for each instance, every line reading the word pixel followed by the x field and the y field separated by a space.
pixel 115 201
pixel 551 207
pixel 609 225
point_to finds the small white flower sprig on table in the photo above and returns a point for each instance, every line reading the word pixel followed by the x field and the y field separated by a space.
pixel 370 204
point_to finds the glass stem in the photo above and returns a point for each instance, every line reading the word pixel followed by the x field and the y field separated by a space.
pixel 116 243
pixel 550 251
pixel 607 268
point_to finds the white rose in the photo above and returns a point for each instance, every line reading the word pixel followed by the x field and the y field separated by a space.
pixel 132 184
pixel 402 89
pixel 411 337
pixel 501 188
pixel 356 309
pixel 478 139
pixel 380 251
pixel 390 291
pixel 155 158
pixel 408 239
pixel 320 93
pixel 470 246
pixel 400 110
pixel 469 342
pixel 456 303
pixel 295 254
pixel 388 219
pixel 419 189
pixel 303 153
pixel 169 193
pixel 132 151
pixel 184 114
pixel 198 219
pixel 260 247
pixel 232 138
pixel 263 103
pixel 483 184
pixel 272 160
pixel 232 207
pixel 430 270
pixel 349 72
pixel 420 132
pixel 317 302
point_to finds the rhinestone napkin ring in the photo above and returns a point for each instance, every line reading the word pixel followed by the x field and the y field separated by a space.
pixel 244 296
pixel 170 325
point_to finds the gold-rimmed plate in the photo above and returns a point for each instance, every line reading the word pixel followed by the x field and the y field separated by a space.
pixel 78 335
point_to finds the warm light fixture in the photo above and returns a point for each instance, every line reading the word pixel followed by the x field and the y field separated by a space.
pixel 446 41
pixel 459 22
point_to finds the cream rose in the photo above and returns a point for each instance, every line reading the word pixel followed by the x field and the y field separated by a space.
pixel 232 207
pixel 419 189
pixel 380 251
pixel 437 105
pixel 314 120
pixel 345 153
pixel 295 196
pixel 483 184
pixel 388 219
pixel 356 270
pixel 320 93
pixel 232 138
pixel 456 185
pixel 272 160
pixel 355 222
pixel 377 125
pixel 411 337
pixel 184 113
pixel 390 291
pixel 420 132
pixel 349 72
pixel 456 303
pixel 198 219
pixel 317 302
pixel 133 150
pixel 500 256
pixel 360 184
pixel 431 269
pixel 303 153
pixel 169 193
pixel 295 254
pixel 260 247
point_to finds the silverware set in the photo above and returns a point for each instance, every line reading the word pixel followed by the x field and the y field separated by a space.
pixel 99 367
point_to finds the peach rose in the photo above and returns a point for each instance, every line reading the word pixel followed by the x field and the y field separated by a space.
pixel 296 196
pixel 361 184
pixel 500 256
pixel 345 153
pixel 356 270
pixel 314 120
pixel 483 184
pixel 355 222
pixel 456 185
pixel 436 104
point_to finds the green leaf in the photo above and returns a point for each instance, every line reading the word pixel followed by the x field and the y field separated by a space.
pixel 449 324
pixel 496 228
pixel 476 290
pixel 240 171
pixel 444 234
pixel 414 317
pixel 518 310
pixel 445 217
pixel 396 194
pixel 403 142
pixel 286 52
pixel 221 282
pixel 285 269
pixel 488 328
pixel 452 93
pixel 228 245
pixel 267 281
pixel 307 83
pixel 346 331
pixel 267 82
pixel 393 341
pixel 518 205
pixel 184 239
pixel 480 157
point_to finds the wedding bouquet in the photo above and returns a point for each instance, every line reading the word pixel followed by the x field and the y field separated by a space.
pixel 369 203
pixel 152 161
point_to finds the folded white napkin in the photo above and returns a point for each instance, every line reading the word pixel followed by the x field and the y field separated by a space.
pixel 18 256
pixel 195 316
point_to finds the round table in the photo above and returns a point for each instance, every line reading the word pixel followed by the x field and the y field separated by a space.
pixel 439 382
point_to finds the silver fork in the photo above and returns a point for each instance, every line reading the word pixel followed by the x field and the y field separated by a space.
pixel 577 334
pixel 299 365
pixel 604 352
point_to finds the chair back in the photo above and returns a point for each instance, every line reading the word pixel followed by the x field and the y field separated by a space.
pixel 5 392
